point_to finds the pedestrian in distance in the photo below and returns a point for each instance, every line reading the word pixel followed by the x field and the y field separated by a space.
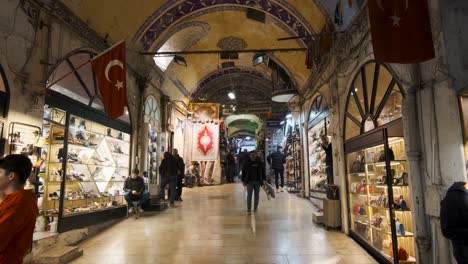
pixel 253 176
pixel 168 171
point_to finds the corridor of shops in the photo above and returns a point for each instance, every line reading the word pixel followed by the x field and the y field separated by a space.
pixel 148 131
pixel 212 226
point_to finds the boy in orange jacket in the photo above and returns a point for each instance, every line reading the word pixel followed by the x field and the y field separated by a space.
pixel 18 209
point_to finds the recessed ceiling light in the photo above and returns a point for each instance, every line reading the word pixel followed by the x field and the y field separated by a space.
pixel 232 96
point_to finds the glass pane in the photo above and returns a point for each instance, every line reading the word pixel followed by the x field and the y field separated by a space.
pixel 97 166
pixel 369 70
pixel 353 109
pixel 392 108
pixel 317 166
pixel 385 78
pixel 352 129
pixel 369 125
pixel 359 201
pixel 359 90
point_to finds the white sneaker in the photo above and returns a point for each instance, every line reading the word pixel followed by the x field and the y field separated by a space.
pixel 140 209
pixel 282 189
pixel 130 211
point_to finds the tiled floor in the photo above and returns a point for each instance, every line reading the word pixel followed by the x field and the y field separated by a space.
pixel 212 226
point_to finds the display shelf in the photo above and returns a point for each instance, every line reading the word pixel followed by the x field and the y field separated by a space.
pixel 70 214
pixel 383 163
pixel 386 208
pixel 410 259
pixel 407 234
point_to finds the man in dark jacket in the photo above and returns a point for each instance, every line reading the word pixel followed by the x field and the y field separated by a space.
pixel 253 175
pixel 180 174
pixel 454 220
pixel 327 147
pixel 277 161
pixel 231 162
pixel 168 171
pixel 243 158
pixel 134 188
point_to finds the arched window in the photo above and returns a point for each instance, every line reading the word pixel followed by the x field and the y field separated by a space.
pixel 152 116
pixel 81 84
pixel 318 111
pixel 374 99
pixel 4 94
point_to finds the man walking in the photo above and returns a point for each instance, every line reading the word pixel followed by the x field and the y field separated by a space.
pixel 18 209
pixel 327 147
pixel 253 175
pixel 454 220
pixel 134 188
pixel 168 171
pixel 180 174
pixel 230 166
pixel 277 161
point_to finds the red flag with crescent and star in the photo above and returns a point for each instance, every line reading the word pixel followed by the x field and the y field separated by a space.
pixel 109 68
pixel 401 30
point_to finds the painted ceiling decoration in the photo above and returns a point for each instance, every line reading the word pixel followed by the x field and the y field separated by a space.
pixel 225 72
pixel 173 11
pixel 232 43
pixel 205 27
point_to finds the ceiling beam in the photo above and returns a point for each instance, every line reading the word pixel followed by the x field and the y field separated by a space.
pixel 171 53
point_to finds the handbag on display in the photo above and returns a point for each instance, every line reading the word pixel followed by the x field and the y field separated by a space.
pixel 354 187
pixel 403 204
pixel 402 254
pixel 356 209
pixel 382 179
pixel 390 155
pixel 401 229
pixel 358 165
pixel 362 210
pixel 377 220
pixel 332 192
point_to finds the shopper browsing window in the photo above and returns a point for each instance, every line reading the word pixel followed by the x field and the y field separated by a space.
pixel 180 174
pixel 327 147
pixel 168 171
pixel 194 172
pixel 253 175
pixel 18 209
pixel 135 190
pixel 454 219
pixel 277 161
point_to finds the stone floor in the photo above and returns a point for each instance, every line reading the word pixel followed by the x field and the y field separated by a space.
pixel 212 226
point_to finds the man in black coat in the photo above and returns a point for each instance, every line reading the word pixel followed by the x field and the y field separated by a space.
pixel 454 219
pixel 277 161
pixel 180 174
pixel 168 171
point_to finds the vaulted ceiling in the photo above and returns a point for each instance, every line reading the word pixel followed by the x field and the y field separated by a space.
pixel 181 25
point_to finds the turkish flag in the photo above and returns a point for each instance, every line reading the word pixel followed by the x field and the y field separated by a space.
pixel 401 30
pixel 109 68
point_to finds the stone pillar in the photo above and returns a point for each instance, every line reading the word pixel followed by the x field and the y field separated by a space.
pixel 416 179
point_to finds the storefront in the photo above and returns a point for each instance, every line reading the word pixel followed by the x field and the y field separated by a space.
pixel 152 124
pixel 4 102
pixel 378 185
pixel 293 151
pixel 318 125
pixel 86 155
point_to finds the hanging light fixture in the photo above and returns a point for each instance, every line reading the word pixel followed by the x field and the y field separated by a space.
pixel 232 95
pixel 180 60
pixel 283 89
pixel 259 58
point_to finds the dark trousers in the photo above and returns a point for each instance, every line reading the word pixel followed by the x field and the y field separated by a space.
pixel 279 173
pixel 329 171
pixel 460 253
pixel 253 187
pixel 230 173
pixel 172 189
pixel 180 185
pixel 129 197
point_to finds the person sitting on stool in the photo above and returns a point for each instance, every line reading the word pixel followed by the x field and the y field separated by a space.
pixel 135 190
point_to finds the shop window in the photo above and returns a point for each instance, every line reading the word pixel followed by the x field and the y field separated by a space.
pixel 374 99
pixel 464 116
pixel 81 84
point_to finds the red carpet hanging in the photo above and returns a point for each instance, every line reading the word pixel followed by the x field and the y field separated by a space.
pixel 205 142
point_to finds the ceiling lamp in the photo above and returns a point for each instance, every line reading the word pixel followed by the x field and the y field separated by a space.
pixel 259 58
pixel 180 60
pixel 232 96
pixel 284 95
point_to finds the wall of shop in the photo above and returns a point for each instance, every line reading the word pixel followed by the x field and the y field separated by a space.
pixel 430 107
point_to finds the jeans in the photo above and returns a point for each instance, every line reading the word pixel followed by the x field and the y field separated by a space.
pixel 172 189
pixel 329 171
pixel 180 185
pixel 253 187
pixel 460 253
pixel 129 197
pixel 279 173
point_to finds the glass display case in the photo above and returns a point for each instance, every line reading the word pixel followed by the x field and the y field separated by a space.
pixel 379 197
pixel 317 166
pixel 86 165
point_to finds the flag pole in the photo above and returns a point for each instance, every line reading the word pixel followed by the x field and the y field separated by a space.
pixel 66 75
pixel 82 65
